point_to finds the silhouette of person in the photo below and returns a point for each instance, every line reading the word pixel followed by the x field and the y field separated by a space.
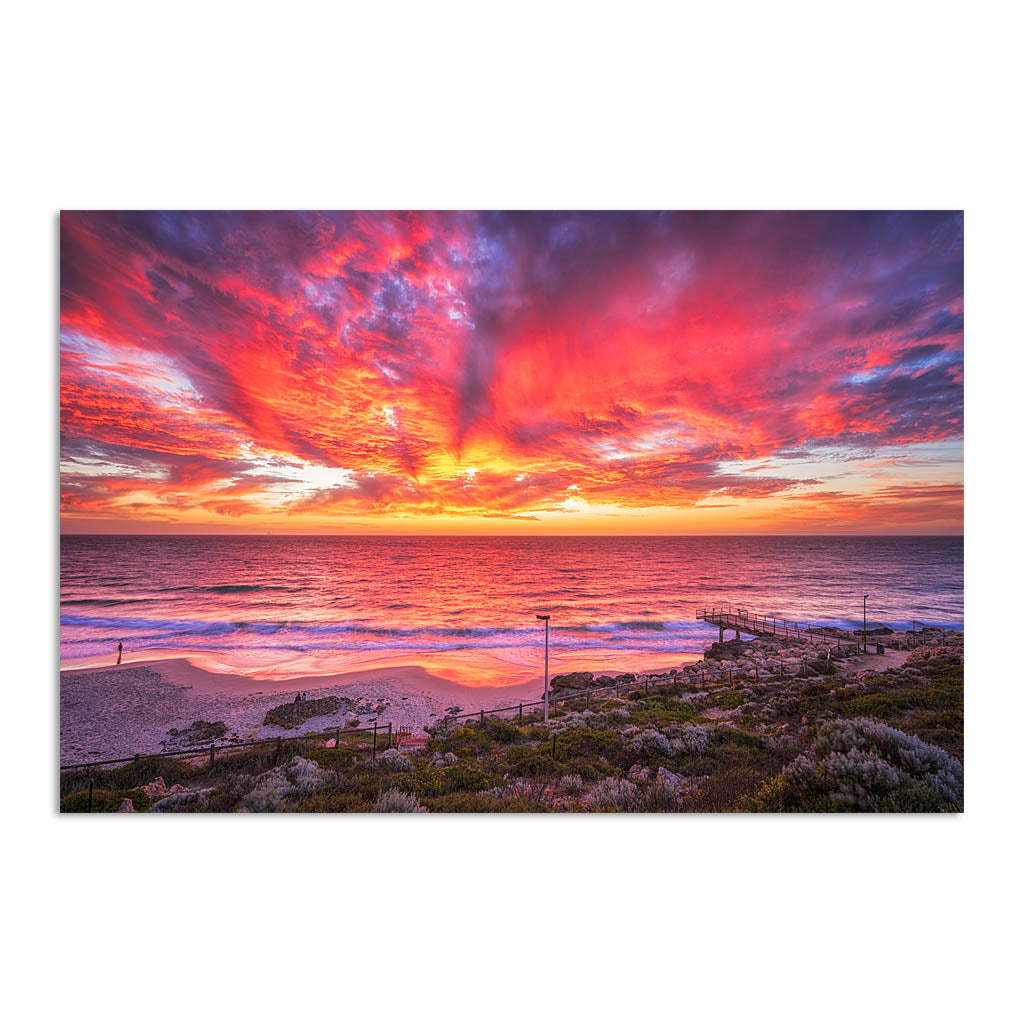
pixel 298 697
pixel 120 648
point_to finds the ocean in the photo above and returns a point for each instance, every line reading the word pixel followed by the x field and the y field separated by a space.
pixel 467 606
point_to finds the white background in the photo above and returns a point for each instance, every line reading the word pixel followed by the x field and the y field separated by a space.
pixel 526 105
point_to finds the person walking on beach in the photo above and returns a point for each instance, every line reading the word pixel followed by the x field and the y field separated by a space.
pixel 120 648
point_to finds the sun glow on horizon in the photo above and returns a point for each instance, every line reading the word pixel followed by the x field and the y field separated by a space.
pixel 511 373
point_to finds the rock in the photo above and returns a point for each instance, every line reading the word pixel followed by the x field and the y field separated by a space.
pixel 187 800
pixel 197 734
pixel 638 773
pixel 393 761
pixel 126 806
pixel 293 714
pixel 155 789
pixel 572 681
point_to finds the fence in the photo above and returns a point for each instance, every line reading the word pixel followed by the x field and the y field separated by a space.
pixel 213 749
pixel 388 739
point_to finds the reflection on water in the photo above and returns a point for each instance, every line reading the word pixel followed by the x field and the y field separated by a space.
pixel 465 607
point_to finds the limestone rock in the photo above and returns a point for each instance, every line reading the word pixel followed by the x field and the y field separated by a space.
pixel 293 714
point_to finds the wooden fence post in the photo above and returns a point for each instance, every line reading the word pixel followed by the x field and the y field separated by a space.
pixel 337 738
pixel 481 716
pixel 389 735
pixel 520 712
pixel 374 741
pixel 211 755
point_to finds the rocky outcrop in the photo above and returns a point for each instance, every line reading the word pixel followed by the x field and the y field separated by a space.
pixel 586 680
pixel 196 735
pixel 292 715
pixel 157 789
pixel 572 681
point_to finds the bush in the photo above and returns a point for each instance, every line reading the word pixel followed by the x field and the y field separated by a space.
pixel 482 803
pixel 572 784
pixel 862 765
pixel 587 743
pixel 502 732
pixel 660 797
pixel 614 795
pixel 394 801
pixel 461 779
pixel 693 739
pixel 529 762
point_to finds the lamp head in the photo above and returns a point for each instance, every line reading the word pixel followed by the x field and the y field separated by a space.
pixel 544 618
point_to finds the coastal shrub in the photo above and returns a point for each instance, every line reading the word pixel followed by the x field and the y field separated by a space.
pixel 502 732
pixel 586 742
pixel 572 784
pixel 135 773
pixel 299 778
pixel 482 803
pixel 862 765
pixel 614 795
pixel 660 797
pixel 394 801
pixel 103 801
pixel 692 739
pixel 529 762
pixel 461 779
pixel 443 728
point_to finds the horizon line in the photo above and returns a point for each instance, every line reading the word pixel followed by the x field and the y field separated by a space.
pixel 516 536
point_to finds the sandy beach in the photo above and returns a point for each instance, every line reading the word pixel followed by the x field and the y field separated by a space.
pixel 118 711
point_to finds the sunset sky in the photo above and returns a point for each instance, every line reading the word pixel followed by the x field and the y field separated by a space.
pixel 512 372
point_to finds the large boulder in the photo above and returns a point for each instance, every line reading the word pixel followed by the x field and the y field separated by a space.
pixel 292 715
pixel 572 681
pixel 728 651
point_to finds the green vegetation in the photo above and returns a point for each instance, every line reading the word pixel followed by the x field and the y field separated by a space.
pixel 888 742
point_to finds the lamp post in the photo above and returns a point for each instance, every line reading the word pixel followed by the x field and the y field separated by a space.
pixel 865 623
pixel 544 619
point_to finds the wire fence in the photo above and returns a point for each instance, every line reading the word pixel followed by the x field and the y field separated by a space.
pixel 382 739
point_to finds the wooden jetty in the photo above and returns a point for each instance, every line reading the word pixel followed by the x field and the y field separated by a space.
pixel 743 621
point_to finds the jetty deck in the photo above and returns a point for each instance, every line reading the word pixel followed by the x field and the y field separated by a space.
pixel 743 621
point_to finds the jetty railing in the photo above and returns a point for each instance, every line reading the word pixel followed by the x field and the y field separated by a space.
pixel 740 619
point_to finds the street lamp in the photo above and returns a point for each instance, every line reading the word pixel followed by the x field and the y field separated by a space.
pixel 865 623
pixel 544 619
